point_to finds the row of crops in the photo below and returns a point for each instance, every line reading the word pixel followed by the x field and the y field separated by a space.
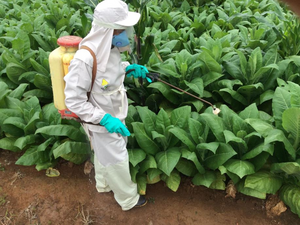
pixel 240 55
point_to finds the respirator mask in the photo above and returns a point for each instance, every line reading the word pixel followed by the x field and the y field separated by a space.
pixel 121 41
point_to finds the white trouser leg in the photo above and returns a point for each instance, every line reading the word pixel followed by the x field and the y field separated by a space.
pixel 112 172
pixel 101 183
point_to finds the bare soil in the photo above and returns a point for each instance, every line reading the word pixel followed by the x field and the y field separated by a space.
pixel 28 196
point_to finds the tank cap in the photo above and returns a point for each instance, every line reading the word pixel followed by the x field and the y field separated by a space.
pixel 69 41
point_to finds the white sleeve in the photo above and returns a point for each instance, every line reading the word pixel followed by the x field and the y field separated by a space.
pixel 125 64
pixel 78 83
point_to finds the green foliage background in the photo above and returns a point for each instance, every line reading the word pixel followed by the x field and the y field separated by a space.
pixel 241 55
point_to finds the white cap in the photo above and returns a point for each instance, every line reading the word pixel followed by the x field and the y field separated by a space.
pixel 115 14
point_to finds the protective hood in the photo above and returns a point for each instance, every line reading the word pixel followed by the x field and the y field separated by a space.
pixel 108 15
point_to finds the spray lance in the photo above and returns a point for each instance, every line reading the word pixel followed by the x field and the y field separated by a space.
pixel 151 77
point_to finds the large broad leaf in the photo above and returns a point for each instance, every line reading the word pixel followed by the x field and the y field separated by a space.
pixel 216 125
pixel 183 136
pixel 148 117
pixel 162 121
pixel 180 116
pixel 196 85
pixel 144 141
pixel 172 181
pixel 22 142
pixel 291 123
pixel 250 112
pixel 186 167
pixel 289 168
pixel 249 191
pixel 212 146
pixel 257 150
pixel 62 130
pixel 196 129
pixel 239 167
pixel 262 127
pixel 192 157
pixel 76 152
pixel 278 135
pixel 32 157
pixel 232 121
pixel 264 182
pixel 223 153
pixel 141 181
pixel 148 163
pixel 205 179
pixel 167 160
pixel 136 156
pixel 18 92
pixel 8 143
pixel 281 102
pixel 165 90
pixel 290 195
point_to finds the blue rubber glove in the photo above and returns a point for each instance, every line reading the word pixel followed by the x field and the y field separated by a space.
pixel 114 125
pixel 139 71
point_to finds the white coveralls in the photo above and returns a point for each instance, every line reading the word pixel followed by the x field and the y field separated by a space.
pixel 107 96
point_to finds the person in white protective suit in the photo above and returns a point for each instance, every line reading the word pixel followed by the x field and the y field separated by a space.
pixel 107 104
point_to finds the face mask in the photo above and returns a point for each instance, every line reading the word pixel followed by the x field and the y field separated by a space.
pixel 120 40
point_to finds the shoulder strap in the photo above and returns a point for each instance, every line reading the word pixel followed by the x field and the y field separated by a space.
pixel 94 71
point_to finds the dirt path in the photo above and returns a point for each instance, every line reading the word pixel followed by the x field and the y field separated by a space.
pixel 29 197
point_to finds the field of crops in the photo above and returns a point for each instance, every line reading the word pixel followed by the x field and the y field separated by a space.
pixel 242 56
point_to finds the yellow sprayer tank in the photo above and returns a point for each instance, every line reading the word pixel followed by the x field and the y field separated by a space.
pixel 59 61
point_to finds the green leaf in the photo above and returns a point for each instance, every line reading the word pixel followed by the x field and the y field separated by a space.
pixel 76 152
pixel 239 167
pixel 291 123
pixel 144 141
pixel 216 125
pixel 289 168
pixel 62 130
pixel 31 157
pixel 18 92
pixel 141 183
pixel 14 71
pixel 186 167
pixel 182 135
pixel 205 179
pixel 148 117
pixel 165 90
pixel 8 143
pixel 269 148
pixel 180 116
pixel 289 194
pixel 249 191
pixel 196 85
pixel 211 64
pixel 148 163
pixel 281 102
pixel 260 126
pixel 22 142
pixel 196 129
pixel 223 153
pixel 192 157
pixel 173 181
pixel 278 135
pixel 212 146
pixel 136 156
pixel 167 160
pixel 264 182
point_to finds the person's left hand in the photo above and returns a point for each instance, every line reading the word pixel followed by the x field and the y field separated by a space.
pixel 136 71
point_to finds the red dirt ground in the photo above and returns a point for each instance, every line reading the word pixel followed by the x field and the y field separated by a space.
pixel 28 196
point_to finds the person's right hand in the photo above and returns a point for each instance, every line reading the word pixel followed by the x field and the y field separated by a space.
pixel 136 71
pixel 114 125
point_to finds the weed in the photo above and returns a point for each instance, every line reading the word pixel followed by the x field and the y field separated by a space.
pixel 85 217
